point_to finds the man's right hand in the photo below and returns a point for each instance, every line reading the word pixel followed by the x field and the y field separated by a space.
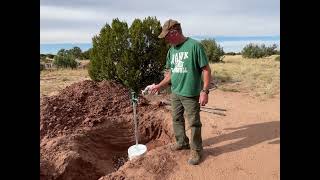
pixel 154 89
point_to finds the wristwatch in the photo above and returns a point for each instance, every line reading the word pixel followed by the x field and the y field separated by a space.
pixel 205 90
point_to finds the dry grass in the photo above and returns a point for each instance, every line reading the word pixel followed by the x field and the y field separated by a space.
pixel 257 77
pixel 51 82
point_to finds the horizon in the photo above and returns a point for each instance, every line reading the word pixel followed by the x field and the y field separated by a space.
pixel 228 43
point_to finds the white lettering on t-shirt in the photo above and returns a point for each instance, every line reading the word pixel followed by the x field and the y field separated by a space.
pixel 177 60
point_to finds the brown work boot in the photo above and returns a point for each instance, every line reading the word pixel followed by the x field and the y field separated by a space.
pixel 195 157
pixel 176 147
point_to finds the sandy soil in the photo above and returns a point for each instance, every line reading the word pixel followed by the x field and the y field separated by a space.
pixel 244 144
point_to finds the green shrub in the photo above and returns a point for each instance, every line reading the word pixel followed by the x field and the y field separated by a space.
pixel 213 50
pixel 132 56
pixel 51 56
pixel 255 51
pixel 230 53
pixel 86 54
pixel 65 61
pixel 76 52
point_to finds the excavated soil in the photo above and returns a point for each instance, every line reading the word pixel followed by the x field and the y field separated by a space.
pixel 86 130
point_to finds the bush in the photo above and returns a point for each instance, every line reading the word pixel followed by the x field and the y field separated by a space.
pixel 65 61
pixel 76 52
pixel 86 54
pixel 213 50
pixel 277 58
pixel 230 53
pixel 255 51
pixel 51 56
pixel 132 56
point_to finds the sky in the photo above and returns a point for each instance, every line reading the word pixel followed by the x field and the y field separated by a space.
pixel 77 21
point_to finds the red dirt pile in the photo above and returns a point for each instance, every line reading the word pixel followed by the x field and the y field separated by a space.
pixel 86 129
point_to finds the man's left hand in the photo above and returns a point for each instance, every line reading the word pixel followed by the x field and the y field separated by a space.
pixel 203 99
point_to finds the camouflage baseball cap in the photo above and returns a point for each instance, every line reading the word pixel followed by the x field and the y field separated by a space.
pixel 166 27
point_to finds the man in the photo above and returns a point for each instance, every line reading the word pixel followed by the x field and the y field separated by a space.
pixel 186 62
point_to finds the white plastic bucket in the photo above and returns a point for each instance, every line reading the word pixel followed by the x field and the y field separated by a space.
pixel 136 151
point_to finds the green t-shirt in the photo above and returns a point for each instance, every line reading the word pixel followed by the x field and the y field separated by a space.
pixel 185 62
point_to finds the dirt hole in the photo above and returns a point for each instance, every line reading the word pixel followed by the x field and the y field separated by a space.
pixel 86 130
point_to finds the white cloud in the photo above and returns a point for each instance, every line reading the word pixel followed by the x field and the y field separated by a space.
pixel 66 36
pixel 229 25
pixel 59 13
pixel 68 20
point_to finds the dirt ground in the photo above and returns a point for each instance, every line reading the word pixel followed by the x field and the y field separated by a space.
pixel 92 144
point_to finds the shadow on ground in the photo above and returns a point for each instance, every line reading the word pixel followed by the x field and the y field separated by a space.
pixel 249 135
